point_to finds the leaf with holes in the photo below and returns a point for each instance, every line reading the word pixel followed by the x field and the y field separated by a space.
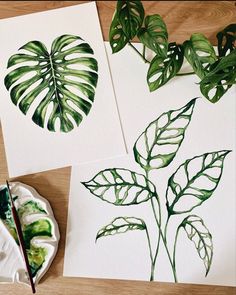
pixel 220 79
pixel 226 39
pixel 121 225
pixel 194 182
pixel 117 37
pixel 157 146
pixel 154 35
pixel 130 16
pixel 199 53
pixel 121 187
pixel 57 86
pixel 198 233
pixel 161 70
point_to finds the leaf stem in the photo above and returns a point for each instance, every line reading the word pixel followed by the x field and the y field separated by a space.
pixel 151 256
pixel 140 54
pixel 158 222
pixel 185 74
pixel 159 234
pixel 144 51
pixel 166 225
pixel 174 251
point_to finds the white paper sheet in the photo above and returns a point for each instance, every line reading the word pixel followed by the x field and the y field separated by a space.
pixel 30 148
pixel 126 255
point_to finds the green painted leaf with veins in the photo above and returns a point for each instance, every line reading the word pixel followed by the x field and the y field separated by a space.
pixel 57 87
pixel 121 225
pixel 154 35
pixel 198 233
pixel 194 182
pixel 226 39
pixel 121 187
pixel 162 69
pixel 199 53
pixel 117 37
pixel 221 77
pixel 130 16
pixel 157 146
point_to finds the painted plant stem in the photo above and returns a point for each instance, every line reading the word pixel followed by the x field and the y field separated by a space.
pixel 160 233
pixel 165 245
pixel 175 244
pixel 158 222
pixel 151 256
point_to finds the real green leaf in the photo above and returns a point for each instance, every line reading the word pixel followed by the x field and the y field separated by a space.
pixel 121 225
pixel 226 39
pixel 162 69
pixel 222 76
pixel 117 37
pixel 199 234
pixel 194 182
pixel 130 16
pixel 154 35
pixel 157 146
pixel 121 187
pixel 199 53
pixel 42 81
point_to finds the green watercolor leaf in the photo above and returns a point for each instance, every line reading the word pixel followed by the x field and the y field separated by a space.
pixel 121 187
pixel 121 225
pixel 59 85
pixel 117 37
pixel 154 35
pixel 157 146
pixel 199 53
pixel 161 70
pixel 198 233
pixel 130 16
pixel 194 182
pixel 226 39
pixel 220 79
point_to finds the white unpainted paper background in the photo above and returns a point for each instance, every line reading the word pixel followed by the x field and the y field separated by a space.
pixel 28 147
pixel 126 256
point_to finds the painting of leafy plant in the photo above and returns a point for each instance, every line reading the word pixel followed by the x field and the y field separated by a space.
pixel 57 87
pixel 217 73
pixel 41 227
pixel 193 183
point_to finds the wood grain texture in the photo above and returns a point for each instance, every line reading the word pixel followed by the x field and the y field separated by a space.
pixel 182 18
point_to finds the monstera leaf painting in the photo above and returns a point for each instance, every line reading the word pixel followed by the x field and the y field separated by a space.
pixel 57 87
pixel 40 232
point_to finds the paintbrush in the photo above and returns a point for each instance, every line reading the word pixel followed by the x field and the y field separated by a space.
pixel 21 239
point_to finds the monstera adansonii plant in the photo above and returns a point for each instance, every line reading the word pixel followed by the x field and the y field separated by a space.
pixel 57 89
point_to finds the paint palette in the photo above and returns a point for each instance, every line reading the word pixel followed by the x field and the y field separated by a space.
pixel 40 231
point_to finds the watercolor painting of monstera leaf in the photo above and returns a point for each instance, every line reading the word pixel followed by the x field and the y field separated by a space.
pixel 58 88
pixel 40 231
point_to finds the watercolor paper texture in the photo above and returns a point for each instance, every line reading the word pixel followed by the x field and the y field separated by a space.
pixel 57 101
pixel 182 155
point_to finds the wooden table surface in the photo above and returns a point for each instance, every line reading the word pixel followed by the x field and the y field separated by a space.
pixel 182 19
